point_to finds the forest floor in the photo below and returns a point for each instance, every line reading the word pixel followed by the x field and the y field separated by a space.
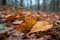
pixel 17 24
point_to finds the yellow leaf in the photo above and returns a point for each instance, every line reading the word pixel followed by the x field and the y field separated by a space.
pixel 41 26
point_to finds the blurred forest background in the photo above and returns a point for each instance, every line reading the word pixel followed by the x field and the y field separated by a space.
pixel 42 5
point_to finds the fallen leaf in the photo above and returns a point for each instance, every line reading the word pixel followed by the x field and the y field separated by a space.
pixel 41 26
pixel 10 17
pixel 29 13
pixel 30 21
pixel 24 27
pixel 17 22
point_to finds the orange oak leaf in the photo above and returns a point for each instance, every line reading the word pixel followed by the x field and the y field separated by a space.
pixel 24 27
pixel 30 21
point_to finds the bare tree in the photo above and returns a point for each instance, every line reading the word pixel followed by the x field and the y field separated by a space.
pixel 44 5
pixel 31 4
pixel 15 2
pixel 38 5
pixel 3 2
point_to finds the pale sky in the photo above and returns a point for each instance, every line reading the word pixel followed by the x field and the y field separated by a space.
pixel 33 2
pixel 27 1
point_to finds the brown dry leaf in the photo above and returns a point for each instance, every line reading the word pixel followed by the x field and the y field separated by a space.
pixel 41 26
pixel 10 17
pixel 29 13
pixel 19 14
pixel 2 16
pixel 52 33
pixel 23 27
pixel 20 17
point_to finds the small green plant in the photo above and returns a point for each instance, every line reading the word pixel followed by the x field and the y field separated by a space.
pixel 21 3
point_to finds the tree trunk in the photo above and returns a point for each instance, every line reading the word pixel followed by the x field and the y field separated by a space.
pixel 15 2
pixel 57 5
pixel 43 5
pixel 52 6
pixel 31 4
pixel 38 5
pixel 3 2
